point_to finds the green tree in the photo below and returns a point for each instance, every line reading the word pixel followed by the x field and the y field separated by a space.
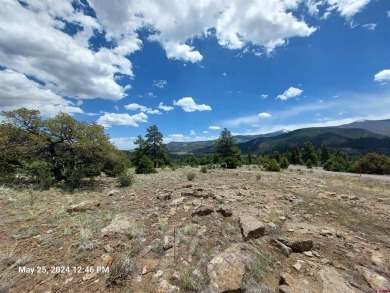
pixel 284 163
pixel 295 156
pixel 145 166
pixel 155 149
pixel 373 164
pixel 309 153
pixel 227 150
pixel 250 156
pixel 338 162
pixel 324 153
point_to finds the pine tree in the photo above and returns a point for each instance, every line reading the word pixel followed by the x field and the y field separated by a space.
pixel 250 156
pixel 227 150
pixel 295 156
pixel 324 153
pixel 155 149
pixel 309 153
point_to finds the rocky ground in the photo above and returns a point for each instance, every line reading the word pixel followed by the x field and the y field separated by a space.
pixel 241 230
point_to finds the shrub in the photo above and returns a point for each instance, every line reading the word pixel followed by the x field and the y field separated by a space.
pixel 284 163
pixel 125 179
pixel 374 164
pixel 173 167
pixel 40 171
pixel 75 179
pixel 203 169
pixel 309 164
pixel 258 177
pixel 191 176
pixel 145 166
pixel 272 166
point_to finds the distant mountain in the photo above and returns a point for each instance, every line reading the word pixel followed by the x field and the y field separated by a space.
pixel 191 147
pixel 376 126
pixel 353 140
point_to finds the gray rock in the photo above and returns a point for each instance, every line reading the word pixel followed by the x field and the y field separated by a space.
pixel 284 248
pixel 119 224
pixel 226 212
pixel 298 245
pixel 251 227
pixel 203 210
pixel 226 270
pixel 84 206
pixel 113 192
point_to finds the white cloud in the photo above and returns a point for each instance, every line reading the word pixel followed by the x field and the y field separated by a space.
pixel 369 26
pixel 205 132
pixel 224 74
pixel 264 96
pixel 383 75
pixel 388 13
pixel 164 107
pixel 264 115
pixel 109 119
pixel 124 143
pixel 291 92
pixel 16 91
pixel 183 138
pixel 192 132
pixel 136 107
pixel 347 8
pixel 188 105
pixel 213 127
pixel 64 63
pixel 262 23
pixel 160 83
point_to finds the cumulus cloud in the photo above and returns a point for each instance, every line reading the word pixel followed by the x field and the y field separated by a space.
pixel 264 115
pixel 383 75
pixel 160 83
pixel 109 119
pixel 16 91
pixel 291 92
pixel 64 63
pixel 192 132
pixel 213 127
pixel 369 26
pixel 136 107
pixel 264 96
pixel 188 105
pixel 161 106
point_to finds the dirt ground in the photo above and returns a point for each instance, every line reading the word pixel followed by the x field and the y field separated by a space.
pixel 161 234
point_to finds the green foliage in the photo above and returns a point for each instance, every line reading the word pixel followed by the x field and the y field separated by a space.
pixel 309 164
pixel 40 171
pixel 277 156
pixel 145 166
pixel 203 169
pixel 117 163
pixel 324 153
pixel 309 153
pixel 227 150
pixel 284 163
pixel 373 164
pixel 338 162
pixel 191 176
pixel 272 166
pixel 295 158
pixel 250 157
pixel 58 148
pixel 125 179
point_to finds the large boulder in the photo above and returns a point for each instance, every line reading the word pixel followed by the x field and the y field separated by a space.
pixel 251 227
pixel 226 271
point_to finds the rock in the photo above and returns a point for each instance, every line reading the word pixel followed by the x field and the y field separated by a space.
pixel 376 258
pixel 333 282
pixel 308 253
pixel 298 245
pixel 149 265
pixel 113 192
pixel 177 201
pixel 376 281
pixel 119 224
pixel 282 218
pixel 84 206
pixel 89 276
pixel 158 274
pixel 199 192
pixel 226 212
pixel 132 194
pixel 108 248
pixel 166 287
pixel 226 270
pixel 168 242
pixel 284 248
pixel 289 284
pixel 146 250
pixel 385 200
pixel 325 232
pixel 163 196
pixel 354 198
pixel 106 260
pixel 251 227
pixel 203 210
pixel 298 265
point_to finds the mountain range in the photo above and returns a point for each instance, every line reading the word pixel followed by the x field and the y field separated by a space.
pixel 359 137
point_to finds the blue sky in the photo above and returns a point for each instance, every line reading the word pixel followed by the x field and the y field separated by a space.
pixel 195 67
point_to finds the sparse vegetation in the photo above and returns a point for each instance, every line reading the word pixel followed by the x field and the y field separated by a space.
pixel 203 169
pixel 122 269
pixel 125 179
pixel 191 176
